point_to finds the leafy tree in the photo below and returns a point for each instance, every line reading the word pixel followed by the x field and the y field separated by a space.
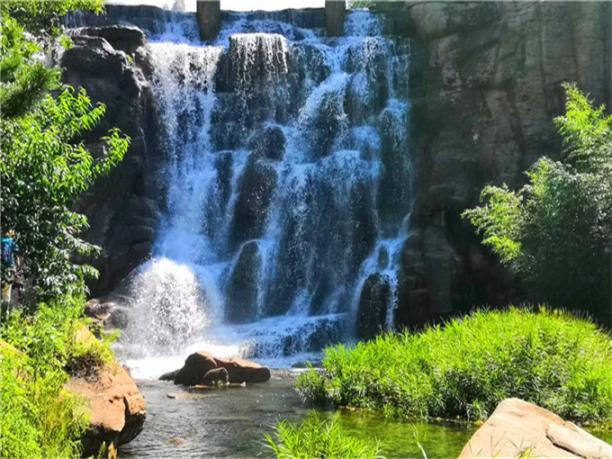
pixel 555 232
pixel 44 17
pixel 44 165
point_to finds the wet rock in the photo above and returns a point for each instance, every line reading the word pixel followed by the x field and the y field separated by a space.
pixel 373 305
pixel 199 364
pixel 269 143
pixel 124 38
pixel 243 286
pixel 521 429
pixel 244 371
pixel 117 409
pixel 196 366
pixel 215 377
pixel 254 195
pixel 170 376
pixel 117 206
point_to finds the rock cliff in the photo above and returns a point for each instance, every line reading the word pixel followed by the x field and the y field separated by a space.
pixel 110 63
pixel 485 84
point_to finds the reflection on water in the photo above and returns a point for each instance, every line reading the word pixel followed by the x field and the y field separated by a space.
pixel 232 423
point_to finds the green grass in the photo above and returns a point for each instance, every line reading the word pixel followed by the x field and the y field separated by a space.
pixel 318 437
pixel 466 367
pixel 38 354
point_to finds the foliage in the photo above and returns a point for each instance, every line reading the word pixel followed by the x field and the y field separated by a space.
pixel 39 418
pixel 44 166
pixel 43 171
pixel 317 437
pixel 465 368
pixel 44 16
pixel 23 79
pixel 555 232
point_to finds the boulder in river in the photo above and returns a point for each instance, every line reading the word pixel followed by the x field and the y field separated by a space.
pixel 518 428
pixel 241 370
pixel 196 366
pixel 199 364
pixel 117 409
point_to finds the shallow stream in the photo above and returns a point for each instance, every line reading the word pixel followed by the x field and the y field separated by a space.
pixel 232 423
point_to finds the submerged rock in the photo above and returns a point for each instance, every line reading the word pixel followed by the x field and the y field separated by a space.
pixel 117 409
pixel 521 429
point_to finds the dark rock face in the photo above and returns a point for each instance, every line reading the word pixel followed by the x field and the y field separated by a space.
pixel 123 38
pixel 123 213
pixel 254 196
pixel 373 306
pixel 484 87
pixel 241 304
pixel 269 143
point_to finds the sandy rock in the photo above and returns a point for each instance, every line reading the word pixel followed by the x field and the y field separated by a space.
pixel 117 408
pixel 517 427
pixel 241 370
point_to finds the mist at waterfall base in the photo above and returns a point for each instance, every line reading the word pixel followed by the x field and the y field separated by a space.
pixel 287 187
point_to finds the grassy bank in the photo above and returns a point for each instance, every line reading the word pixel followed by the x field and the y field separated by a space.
pixel 465 368
pixel 318 437
pixel 38 353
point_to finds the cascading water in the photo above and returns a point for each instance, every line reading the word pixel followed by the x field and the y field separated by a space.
pixel 288 189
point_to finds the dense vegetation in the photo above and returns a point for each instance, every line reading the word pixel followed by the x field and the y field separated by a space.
pixel 39 418
pixel 466 367
pixel 555 232
pixel 44 167
pixel 317 437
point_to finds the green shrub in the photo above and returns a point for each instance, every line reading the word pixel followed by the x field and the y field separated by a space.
pixel 554 232
pixel 38 353
pixel 317 437
pixel 465 368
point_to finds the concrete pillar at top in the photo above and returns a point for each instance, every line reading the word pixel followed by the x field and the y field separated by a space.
pixel 209 18
pixel 335 10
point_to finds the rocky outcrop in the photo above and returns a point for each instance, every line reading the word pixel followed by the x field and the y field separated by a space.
pixel 373 305
pixel 254 196
pixel 520 429
pixel 199 364
pixel 242 291
pixel 485 84
pixel 111 64
pixel 116 408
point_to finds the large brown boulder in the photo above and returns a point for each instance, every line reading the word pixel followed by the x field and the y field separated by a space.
pixel 117 409
pixel 517 428
pixel 196 366
pixel 241 370
pixel 199 363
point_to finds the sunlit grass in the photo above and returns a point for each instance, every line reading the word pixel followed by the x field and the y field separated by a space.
pixel 318 437
pixel 466 367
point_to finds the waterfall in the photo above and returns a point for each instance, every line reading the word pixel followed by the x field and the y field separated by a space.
pixel 288 188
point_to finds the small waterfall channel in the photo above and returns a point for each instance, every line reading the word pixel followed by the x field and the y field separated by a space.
pixel 288 189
